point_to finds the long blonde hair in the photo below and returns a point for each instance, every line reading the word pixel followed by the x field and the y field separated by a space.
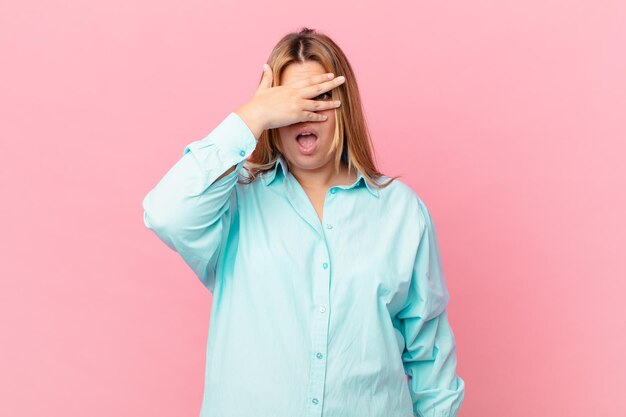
pixel 352 140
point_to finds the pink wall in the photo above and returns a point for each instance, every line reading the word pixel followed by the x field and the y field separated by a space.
pixel 508 118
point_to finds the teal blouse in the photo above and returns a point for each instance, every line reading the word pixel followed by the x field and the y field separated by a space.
pixel 344 317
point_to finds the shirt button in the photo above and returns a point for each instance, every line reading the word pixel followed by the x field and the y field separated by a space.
pixel 242 152
pixel 322 309
pixel 314 401
pixel 319 355
pixel 329 226
pixel 333 190
pixel 325 265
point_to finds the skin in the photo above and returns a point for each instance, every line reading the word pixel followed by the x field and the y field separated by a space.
pixel 316 172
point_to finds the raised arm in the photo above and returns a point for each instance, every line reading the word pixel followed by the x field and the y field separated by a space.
pixel 192 206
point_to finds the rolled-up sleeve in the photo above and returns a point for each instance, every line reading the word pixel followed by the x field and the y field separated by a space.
pixel 429 356
pixel 188 209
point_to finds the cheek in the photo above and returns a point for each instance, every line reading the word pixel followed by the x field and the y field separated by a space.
pixel 283 134
pixel 329 124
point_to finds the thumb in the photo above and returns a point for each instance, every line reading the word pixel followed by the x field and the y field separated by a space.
pixel 266 79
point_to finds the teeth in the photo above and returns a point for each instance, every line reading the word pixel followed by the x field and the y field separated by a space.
pixel 306 133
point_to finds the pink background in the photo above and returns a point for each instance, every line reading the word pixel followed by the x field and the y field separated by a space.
pixel 507 118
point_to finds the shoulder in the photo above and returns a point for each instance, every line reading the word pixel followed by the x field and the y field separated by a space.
pixel 399 192
pixel 399 195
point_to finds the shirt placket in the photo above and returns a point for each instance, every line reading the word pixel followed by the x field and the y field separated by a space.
pixel 321 295
pixel 319 337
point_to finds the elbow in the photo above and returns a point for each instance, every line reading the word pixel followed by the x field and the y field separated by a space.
pixel 155 219
pixel 157 216
pixel 149 218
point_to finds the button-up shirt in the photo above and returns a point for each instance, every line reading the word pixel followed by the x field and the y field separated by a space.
pixel 344 317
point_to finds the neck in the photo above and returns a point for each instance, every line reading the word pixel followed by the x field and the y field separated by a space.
pixel 324 177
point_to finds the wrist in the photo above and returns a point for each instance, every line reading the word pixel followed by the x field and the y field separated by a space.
pixel 252 119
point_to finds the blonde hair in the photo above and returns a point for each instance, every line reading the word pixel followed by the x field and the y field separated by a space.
pixel 351 140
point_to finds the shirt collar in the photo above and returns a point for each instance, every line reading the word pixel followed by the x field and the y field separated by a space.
pixel 280 162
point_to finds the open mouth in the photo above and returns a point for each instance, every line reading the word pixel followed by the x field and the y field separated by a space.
pixel 307 142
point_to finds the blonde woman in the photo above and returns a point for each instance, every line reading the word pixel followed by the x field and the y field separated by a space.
pixel 328 290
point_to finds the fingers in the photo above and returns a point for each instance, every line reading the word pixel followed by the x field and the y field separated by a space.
pixel 319 105
pixel 313 80
pixel 266 80
pixel 317 89
pixel 313 117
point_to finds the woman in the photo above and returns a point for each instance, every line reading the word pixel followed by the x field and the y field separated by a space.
pixel 327 283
